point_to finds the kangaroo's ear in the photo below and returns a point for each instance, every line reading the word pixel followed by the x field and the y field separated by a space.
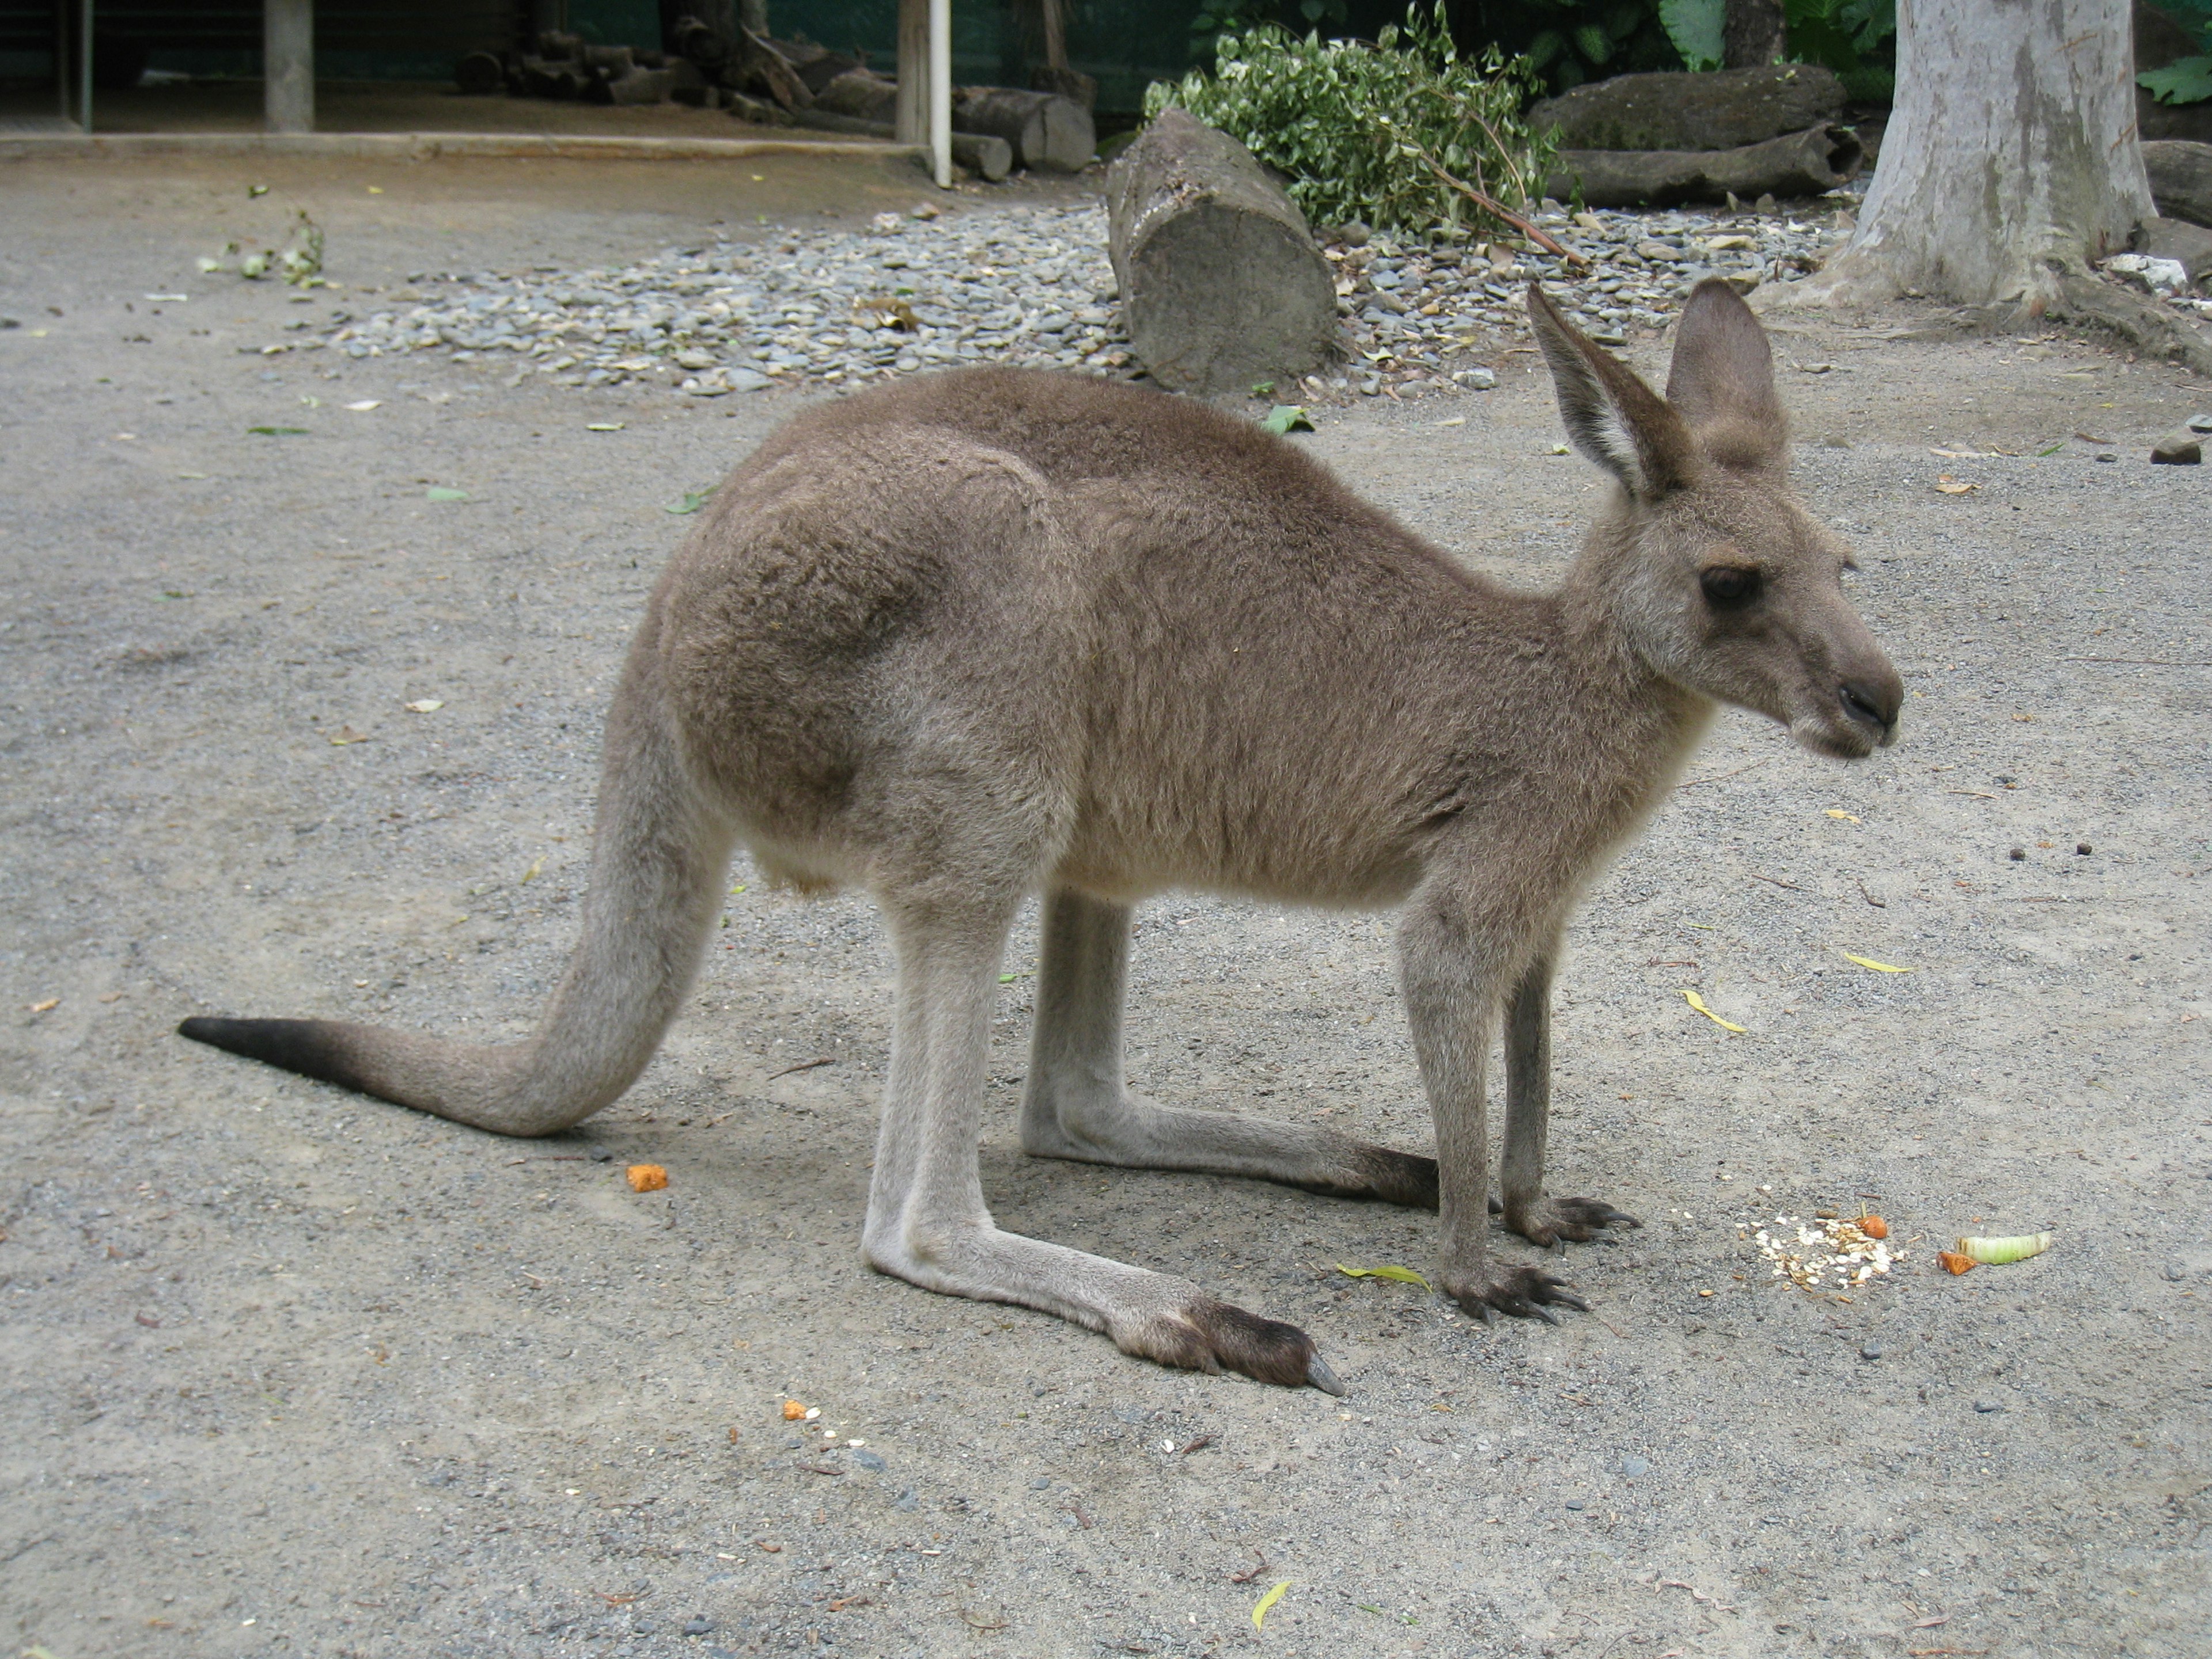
pixel 1611 415
pixel 1723 379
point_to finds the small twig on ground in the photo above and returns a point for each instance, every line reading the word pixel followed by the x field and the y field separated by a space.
pixel 804 1065
pixel 1498 209
pixel 1259 1566
pixel 2146 662
pixel 1777 882
pixel 1718 776
pixel 1196 1442
pixel 1878 904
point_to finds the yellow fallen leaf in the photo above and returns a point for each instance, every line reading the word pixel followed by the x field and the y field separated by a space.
pixel 425 705
pixel 347 734
pixel 47 1006
pixel 1951 486
pixel 1879 967
pixel 1456 420
pixel 1260 1613
pixel 1387 1270
pixel 1835 812
pixel 365 404
pixel 537 865
pixel 1699 1003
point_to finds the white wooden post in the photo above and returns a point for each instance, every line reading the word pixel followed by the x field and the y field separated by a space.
pixel 940 92
pixel 287 65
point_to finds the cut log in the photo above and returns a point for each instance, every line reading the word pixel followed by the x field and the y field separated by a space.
pixel 480 74
pixel 993 158
pixel 642 86
pixel 1068 83
pixel 1050 133
pixel 860 92
pixel 2180 179
pixel 1806 163
pixel 757 66
pixel 1221 282
pixel 701 43
pixel 1725 109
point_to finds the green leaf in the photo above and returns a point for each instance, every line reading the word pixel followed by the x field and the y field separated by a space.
pixel 1387 1270
pixel 2185 81
pixel 2053 450
pixel 1287 417
pixel 278 431
pixel 692 502
pixel 1262 388
pixel 440 492
pixel 1694 26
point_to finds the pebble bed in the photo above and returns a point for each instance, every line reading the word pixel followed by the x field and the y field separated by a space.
pixel 1031 285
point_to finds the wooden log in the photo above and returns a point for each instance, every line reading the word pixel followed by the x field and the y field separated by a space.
pixel 2180 179
pixel 1220 280
pixel 480 74
pixel 642 86
pixel 759 66
pixel 980 153
pixel 1805 163
pixel 860 92
pixel 1050 133
pixel 1725 109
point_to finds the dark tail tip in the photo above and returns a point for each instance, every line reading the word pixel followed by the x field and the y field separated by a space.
pixel 313 1048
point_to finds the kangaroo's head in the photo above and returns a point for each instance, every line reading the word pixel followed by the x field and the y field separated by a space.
pixel 1717 575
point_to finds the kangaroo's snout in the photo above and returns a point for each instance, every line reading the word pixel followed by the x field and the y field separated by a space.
pixel 1872 702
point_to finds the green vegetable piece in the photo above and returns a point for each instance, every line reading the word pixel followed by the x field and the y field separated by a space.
pixel 1287 417
pixel 1387 1270
pixel 692 502
pixel 440 492
pixel 2001 1252
pixel 278 431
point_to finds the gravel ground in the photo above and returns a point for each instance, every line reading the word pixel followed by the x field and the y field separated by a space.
pixel 919 290
pixel 291 1371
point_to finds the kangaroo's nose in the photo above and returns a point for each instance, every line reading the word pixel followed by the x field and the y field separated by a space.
pixel 1874 704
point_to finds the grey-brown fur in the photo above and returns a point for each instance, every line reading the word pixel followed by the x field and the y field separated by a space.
pixel 992 633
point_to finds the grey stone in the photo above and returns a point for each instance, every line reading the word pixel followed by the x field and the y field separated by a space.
pixel 867 1460
pixel 1632 1467
pixel 1989 1407
pixel 1042 1483
pixel 698 1626
pixel 2181 449
pixel 1870 1351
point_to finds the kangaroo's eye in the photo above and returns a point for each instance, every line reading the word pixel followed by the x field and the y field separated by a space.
pixel 1728 587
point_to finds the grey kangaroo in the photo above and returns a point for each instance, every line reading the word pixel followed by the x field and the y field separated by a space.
pixel 994 632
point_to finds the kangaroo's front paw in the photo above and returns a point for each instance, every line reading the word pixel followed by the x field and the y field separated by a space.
pixel 1205 1335
pixel 1551 1222
pixel 1524 1292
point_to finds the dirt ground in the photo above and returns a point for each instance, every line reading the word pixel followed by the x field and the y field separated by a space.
pixel 290 1371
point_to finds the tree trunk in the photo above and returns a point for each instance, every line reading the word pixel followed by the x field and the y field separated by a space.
pixel 2010 159
pixel 1753 34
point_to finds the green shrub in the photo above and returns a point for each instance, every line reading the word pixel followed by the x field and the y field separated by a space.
pixel 1362 131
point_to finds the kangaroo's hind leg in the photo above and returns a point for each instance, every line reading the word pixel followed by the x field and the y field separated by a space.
pixel 1077 1105
pixel 927 1222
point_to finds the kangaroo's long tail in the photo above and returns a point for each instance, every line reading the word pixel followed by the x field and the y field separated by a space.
pixel 658 858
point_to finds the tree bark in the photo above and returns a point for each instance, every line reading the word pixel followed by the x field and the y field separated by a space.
pixel 1753 34
pixel 2010 159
